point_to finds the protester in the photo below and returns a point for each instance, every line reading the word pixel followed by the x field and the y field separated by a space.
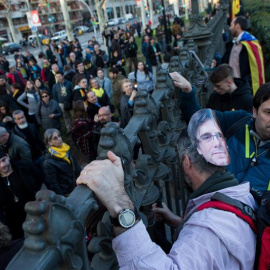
pixel 127 102
pixel 247 135
pixel 50 112
pixel 20 180
pixel 30 99
pixel 60 167
pixel 222 239
pixel 230 93
pixel 142 78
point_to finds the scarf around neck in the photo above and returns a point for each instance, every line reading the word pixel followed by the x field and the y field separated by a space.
pixel 62 152
pixel 217 181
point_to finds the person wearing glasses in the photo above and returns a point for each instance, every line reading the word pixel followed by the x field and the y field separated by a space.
pixel 60 167
pixel 49 112
pixel 207 137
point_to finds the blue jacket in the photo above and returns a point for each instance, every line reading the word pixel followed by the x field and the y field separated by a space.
pixel 250 159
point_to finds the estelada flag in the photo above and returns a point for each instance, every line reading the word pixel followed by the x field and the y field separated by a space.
pixel 256 61
pixel 235 7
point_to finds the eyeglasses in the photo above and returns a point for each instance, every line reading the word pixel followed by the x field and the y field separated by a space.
pixel 207 137
pixel 104 114
pixel 44 96
pixel 56 137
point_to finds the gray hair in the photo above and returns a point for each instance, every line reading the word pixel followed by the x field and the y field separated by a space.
pixel 3 131
pixel 48 135
pixel 17 112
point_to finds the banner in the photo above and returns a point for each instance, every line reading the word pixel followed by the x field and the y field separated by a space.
pixel 235 8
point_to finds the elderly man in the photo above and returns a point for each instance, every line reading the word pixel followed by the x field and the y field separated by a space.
pixel 94 104
pixel 210 239
pixel 16 147
pixel 104 116
pixel 247 135
pixel 29 133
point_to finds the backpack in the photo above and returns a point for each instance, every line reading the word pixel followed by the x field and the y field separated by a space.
pixel 259 222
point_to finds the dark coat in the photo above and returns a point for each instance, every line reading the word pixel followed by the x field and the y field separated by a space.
pixel 61 96
pixel 34 140
pixel 116 46
pixel 60 176
pixel 28 180
pixel 47 109
pixel 152 55
pixel 240 99
pixel 17 148
pixel 92 109
pixel 126 110
pixel 131 49
pixel 79 93
pixel 51 80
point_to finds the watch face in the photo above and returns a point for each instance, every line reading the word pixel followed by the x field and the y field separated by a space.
pixel 126 218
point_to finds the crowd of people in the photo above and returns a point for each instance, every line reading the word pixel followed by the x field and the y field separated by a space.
pixel 68 90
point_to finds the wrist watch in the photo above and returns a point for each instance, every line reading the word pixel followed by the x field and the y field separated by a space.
pixel 126 218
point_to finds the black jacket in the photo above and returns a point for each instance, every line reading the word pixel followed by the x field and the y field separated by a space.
pixel 240 99
pixel 33 139
pixel 60 176
pixel 92 109
pixel 25 181
pixel 152 55
pixel 126 110
pixel 131 49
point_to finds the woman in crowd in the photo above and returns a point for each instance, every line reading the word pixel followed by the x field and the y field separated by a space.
pixel 61 169
pixel 32 96
pixel 49 112
pixel 40 85
pixel 100 93
pixel 79 91
pixel 105 83
pixel 142 78
pixel 82 130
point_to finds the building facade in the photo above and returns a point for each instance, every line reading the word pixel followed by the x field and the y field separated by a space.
pixel 14 23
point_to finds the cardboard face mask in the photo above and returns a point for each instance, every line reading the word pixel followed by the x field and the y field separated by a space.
pixel 207 137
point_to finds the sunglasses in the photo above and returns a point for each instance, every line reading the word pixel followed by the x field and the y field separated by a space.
pixel 55 138
pixel 44 96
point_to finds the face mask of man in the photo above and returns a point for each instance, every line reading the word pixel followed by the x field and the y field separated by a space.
pixel 207 137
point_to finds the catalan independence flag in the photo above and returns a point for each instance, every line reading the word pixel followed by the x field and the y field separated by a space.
pixel 235 8
pixel 256 61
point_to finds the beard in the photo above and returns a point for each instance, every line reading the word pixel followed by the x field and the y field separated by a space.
pixel 22 126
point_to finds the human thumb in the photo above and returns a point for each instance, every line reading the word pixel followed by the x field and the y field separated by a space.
pixel 114 159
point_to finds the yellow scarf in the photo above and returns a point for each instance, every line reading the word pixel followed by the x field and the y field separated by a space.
pixel 15 92
pixel 61 152
pixel 99 92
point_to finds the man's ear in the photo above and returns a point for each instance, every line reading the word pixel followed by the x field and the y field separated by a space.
pixel 254 112
pixel 186 163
